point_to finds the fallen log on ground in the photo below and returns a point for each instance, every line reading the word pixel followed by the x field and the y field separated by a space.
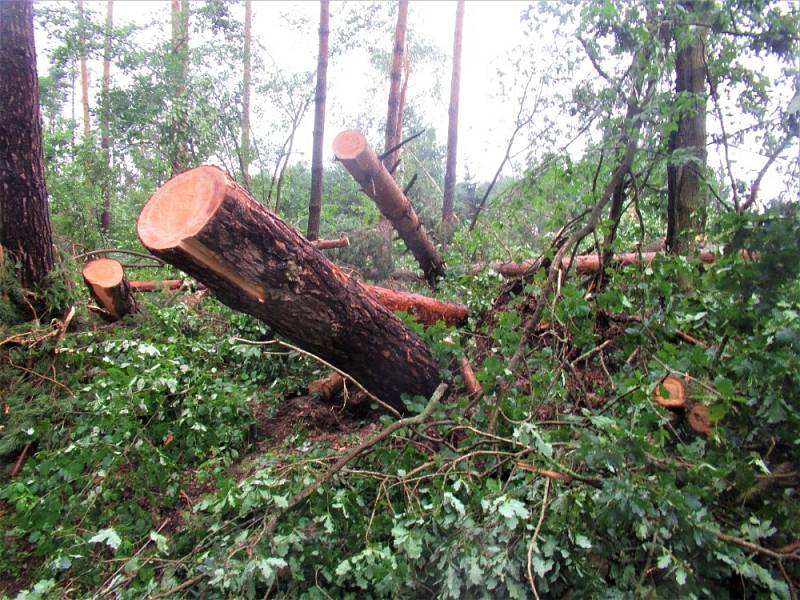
pixel 426 310
pixel 205 224
pixel 584 264
pixel 156 286
pixel 358 157
pixel 106 281
pixel 330 244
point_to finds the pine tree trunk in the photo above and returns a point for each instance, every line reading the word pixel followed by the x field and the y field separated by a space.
pixel 205 224
pixel 448 202
pixel 105 119
pixel 244 152
pixel 395 80
pixel 24 218
pixel 87 126
pixel 315 201
pixel 180 67
pixel 686 197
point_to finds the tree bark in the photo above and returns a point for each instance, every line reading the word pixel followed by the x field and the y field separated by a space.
pixel 315 200
pixel 180 67
pixel 24 218
pixel 244 152
pixel 208 226
pixel 448 202
pixel 360 160
pixel 686 197
pixel 87 126
pixel 108 285
pixel 395 80
pixel 105 119
pixel 426 310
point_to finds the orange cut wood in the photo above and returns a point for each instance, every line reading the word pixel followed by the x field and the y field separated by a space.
pixel 675 396
pixel 106 281
pixel 330 244
pixel 698 419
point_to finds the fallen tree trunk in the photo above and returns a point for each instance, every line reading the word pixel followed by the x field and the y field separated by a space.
pixel 106 281
pixel 155 286
pixel 585 263
pixel 358 157
pixel 329 244
pixel 205 224
pixel 426 310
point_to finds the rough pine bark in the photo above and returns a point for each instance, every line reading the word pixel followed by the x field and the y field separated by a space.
pixel 686 197
pixel 315 200
pixel 24 218
pixel 105 119
pixel 448 202
pixel 205 224
pixel 244 152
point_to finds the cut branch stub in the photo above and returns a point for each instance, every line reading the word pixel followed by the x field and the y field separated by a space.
pixel 698 418
pixel 106 281
pixel 358 157
pixel 208 226
pixel 676 392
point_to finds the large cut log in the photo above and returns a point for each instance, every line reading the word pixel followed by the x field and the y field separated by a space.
pixel 426 310
pixel 106 281
pixel 358 157
pixel 205 224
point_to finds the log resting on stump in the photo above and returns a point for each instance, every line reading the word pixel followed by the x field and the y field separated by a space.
pixel 426 310
pixel 106 281
pixel 208 226
pixel 358 157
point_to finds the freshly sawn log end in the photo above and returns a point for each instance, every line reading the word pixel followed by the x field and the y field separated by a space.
pixel 205 224
pixel 106 281
pixel 676 392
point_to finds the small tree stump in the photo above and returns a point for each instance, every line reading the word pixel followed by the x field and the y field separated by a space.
pixel 675 396
pixel 109 287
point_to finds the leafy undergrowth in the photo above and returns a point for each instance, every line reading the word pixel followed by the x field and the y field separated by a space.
pixel 167 457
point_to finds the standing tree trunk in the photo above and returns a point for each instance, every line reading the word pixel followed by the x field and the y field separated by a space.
pixel 315 201
pixel 393 120
pixel 87 126
pixel 208 226
pixel 24 218
pixel 686 198
pixel 448 202
pixel 105 118
pixel 180 68
pixel 393 117
pixel 244 152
